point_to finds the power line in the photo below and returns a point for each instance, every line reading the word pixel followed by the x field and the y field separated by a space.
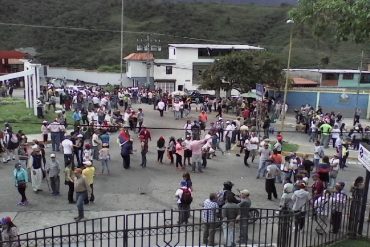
pixel 112 31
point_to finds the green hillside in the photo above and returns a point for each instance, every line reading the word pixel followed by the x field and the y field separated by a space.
pixel 188 23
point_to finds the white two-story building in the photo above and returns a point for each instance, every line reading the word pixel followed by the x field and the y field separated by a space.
pixel 185 64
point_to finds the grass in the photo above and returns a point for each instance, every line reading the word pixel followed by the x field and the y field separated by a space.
pixel 352 243
pixel 290 147
pixel 14 111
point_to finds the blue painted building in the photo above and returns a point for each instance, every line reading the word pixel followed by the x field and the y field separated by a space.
pixel 336 100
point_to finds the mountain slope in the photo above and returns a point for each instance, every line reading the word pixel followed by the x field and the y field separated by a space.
pixel 259 2
pixel 171 23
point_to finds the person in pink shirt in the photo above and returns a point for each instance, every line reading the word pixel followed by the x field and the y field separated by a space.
pixel 196 152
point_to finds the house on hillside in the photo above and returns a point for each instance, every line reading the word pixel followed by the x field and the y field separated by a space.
pixel 138 66
pixel 11 62
pixel 338 90
pixel 184 66
pixel 330 78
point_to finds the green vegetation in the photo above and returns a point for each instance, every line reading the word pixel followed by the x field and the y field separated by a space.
pixel 247 24
pixel 14 111
pixel 346 20
pixel 242 70
pixel 352 243
pixel 290 147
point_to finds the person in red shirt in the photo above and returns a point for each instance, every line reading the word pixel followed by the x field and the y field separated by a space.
pixel 203 118
pixel 145 134
pixel 246 113
pixel 279 137
pixel 317 186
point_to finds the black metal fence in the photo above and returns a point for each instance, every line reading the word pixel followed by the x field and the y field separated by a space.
pixel 325 220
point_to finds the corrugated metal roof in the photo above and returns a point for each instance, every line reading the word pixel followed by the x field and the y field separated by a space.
pixel 215 46
pixel 140 56
pixel 12 54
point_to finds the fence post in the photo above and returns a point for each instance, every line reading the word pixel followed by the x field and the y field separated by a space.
pixel 125 231
pixel 284 229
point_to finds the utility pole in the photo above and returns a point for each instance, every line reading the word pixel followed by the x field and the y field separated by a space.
pixel 148 45
pixel 121 64
pixel 359 80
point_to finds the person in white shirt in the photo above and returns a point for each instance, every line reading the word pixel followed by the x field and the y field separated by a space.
pixel 95 144
pixel 176 110
pixel 54 129
pixel 227 134
pixel 335 132
pixel 160 106
pixel 254 141
pixel 181 104
pixel 67 146
pixel 334 169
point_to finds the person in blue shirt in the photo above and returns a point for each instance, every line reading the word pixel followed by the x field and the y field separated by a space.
pixel 76 118
pixel 104 137
pixel 21 180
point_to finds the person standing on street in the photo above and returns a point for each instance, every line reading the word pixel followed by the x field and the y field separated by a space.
pixel 230 214
pixel 104 157
pixel 36 169
pixel 144 150
pixel 67 146
pixel 21 179
pixel 160 106
pixel 69 180
pixel 82 189
pixel 245 205
pixel 209 218
pixel 272 172
pixel 325 134
pixel 55 129
pixel 265 154
pixel 89 174
pixel 53 170
pixel 161 148
pixel 184 199
pixel 95 144
pixel 179 153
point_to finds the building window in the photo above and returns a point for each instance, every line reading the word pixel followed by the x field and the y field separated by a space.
pixel 365 78
pixel 330 76
pixel 348 76
pixel 174 51
pixel 168 70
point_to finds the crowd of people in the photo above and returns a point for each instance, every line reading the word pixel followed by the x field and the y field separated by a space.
pixel 98 112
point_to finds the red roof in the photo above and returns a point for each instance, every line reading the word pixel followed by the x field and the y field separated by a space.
pixel 140 56
pixel 303 81
pixel 12 54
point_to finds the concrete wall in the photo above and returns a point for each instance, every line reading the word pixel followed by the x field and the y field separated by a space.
pixel 92 76
pixel 344 102
pixel 137 69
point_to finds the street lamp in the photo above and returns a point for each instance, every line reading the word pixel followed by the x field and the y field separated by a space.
pixel 289 22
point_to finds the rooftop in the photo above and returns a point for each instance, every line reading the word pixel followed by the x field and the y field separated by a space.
pixel 333 70
pixel 140 56
pixel 12 55
pixel 215 46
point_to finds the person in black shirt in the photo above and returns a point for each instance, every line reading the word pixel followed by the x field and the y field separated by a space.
pixel 307 164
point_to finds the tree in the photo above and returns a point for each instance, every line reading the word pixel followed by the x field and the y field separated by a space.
pixel 242 70
pixel 348 19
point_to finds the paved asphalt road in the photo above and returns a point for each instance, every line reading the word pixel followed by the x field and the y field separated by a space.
pixel 139 189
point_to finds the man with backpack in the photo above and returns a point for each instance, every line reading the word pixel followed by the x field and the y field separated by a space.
pixel 184 199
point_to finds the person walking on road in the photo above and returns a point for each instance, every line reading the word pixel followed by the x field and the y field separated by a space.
pixel 104 157
pixel 55 128
pixel 161 106
pixel 89 174
pixel 53 170
pixel 21 179
pixel 36 169
pixel 161 148
pixel 69 180
pixel 82 188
